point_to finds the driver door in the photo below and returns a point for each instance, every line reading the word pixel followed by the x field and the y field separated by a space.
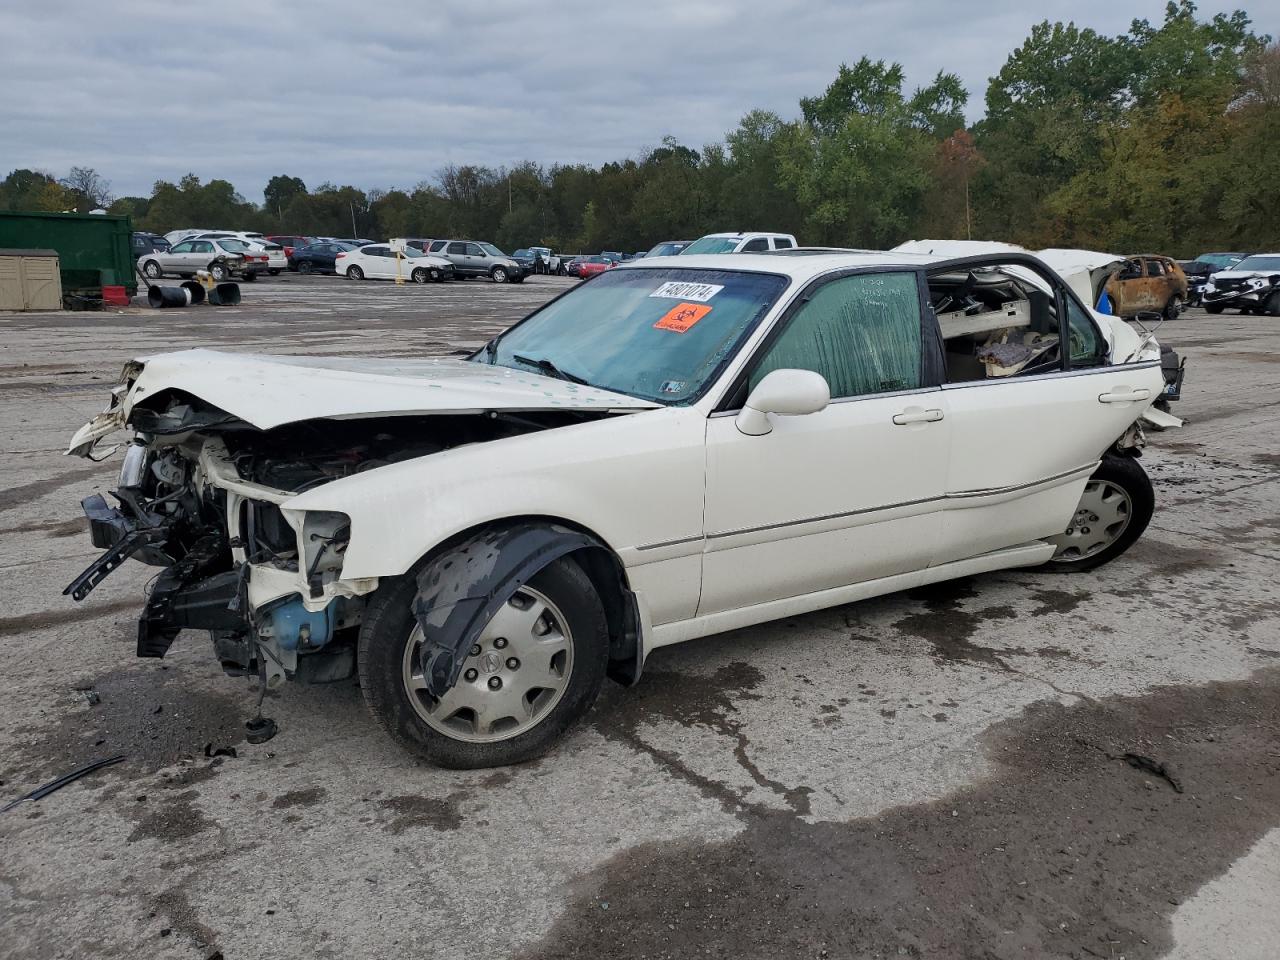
pixel 851 493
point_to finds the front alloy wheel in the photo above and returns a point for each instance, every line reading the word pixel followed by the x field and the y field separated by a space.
pixel 419 276
pixel 499 274
pixel 534 669
pixel 152 269
pixel 515 673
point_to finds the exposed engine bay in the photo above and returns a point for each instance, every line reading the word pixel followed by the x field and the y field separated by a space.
pixel 200 493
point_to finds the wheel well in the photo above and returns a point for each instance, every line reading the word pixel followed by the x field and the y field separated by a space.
pixel 607 574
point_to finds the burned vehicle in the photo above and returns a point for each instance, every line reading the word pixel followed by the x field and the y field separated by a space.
pixel 677 448
pixel 1251 286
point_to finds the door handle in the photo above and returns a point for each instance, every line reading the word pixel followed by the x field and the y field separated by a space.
pixel 1125 396
pixel 917 415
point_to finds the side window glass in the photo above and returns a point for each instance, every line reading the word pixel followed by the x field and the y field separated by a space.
pixel 457 249
pixel 1155 268
pixel 782 243
pixel 1086 343
pixel 180 248
pixel 202 246
pixel 756 245
pixel 860 332
pixel 437 246
pixel 473 250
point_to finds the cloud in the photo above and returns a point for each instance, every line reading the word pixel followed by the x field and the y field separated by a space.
pixel 385 93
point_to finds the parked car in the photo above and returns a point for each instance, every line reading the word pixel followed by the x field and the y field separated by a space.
pixel 740 243
pixel 355 242
pixel 590 266
pixel 317 257
pixel 380 262
pixel 476 259
pixel 185 233
pixel 1199 270
pixel 639 255
pixel 668 248
pixel 222 258
pixel 1252 286
pixel 422 243
pixel 277 260
pixel 527 259
pixel 573 267
pixel 484 539
pixel 1148 283
pixel 292 242
pixel 143 243
pixel 547 261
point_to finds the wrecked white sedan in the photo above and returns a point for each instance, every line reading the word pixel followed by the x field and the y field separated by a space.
pixel 673 449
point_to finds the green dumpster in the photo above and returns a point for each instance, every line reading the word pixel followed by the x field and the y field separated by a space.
pixel 93 248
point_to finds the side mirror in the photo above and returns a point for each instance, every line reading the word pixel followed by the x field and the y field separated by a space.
pixel 788 393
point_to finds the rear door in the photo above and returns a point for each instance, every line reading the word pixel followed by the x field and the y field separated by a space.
pixel 845 495
pixel 378 263
pixel 1023 446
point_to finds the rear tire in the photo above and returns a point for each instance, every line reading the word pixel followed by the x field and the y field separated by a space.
pixel 389 627
pixel 218 271
pixel 355 273
pixel 304 266
pixel 1273 305
pixel 274 273
pixel 1114 510
pixel 1173 308
pixel 249 277
pixel 1214 308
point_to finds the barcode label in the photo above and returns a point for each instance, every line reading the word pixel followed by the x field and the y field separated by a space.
pixel 677 290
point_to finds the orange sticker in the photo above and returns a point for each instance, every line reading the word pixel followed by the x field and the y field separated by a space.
pixel 683 317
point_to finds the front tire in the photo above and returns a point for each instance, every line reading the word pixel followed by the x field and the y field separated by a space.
pixel 1173 308
pixel 1114 510
pixel 1214 308
pixel 355 273
pixel 419 275
pixel 1273 305
pixel 152 270
pixel 535 669
pixel 304 266
pixel 499 274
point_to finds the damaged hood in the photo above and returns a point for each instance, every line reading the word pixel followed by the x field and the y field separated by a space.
pixel 268 391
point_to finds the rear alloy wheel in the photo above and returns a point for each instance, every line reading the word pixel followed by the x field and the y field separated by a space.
pixel 218 271
pixel 152 269
pixel 419 275
pixel 1114 510
pixel 499 274
pixel 535 668
pixel 304 266
pixel 355 273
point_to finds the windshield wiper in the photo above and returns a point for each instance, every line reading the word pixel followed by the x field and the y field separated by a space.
pixel 550 369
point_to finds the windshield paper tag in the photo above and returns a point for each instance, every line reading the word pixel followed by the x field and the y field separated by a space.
pixel 681 318
pixel 677 290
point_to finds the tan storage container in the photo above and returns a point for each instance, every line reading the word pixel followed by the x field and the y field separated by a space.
pixel 30 280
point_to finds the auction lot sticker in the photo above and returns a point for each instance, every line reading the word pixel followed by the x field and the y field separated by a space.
pixel 679 290
pixel 681 318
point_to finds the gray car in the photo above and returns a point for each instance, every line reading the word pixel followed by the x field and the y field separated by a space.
pixel 476 259
pixel 221 257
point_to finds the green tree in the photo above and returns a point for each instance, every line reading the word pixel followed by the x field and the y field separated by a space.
pixel 279 193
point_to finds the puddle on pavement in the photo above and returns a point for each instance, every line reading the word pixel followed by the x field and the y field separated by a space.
pixel 1064 851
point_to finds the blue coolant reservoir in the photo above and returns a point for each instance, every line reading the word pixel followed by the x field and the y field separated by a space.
pixel 294 627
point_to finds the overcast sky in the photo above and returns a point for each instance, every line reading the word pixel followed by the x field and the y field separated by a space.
pixel 383 94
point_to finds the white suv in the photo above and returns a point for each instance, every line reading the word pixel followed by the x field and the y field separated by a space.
pixel 740 243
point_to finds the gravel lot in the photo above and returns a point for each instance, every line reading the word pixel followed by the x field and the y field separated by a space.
pixel 938 773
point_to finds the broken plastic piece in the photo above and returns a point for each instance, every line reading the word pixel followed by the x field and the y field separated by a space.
pixel 41 792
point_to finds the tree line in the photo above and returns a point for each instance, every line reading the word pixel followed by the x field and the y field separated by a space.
pixel 1162 138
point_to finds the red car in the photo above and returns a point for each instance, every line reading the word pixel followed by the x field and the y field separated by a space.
pixel 590 266
pixel 290 242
